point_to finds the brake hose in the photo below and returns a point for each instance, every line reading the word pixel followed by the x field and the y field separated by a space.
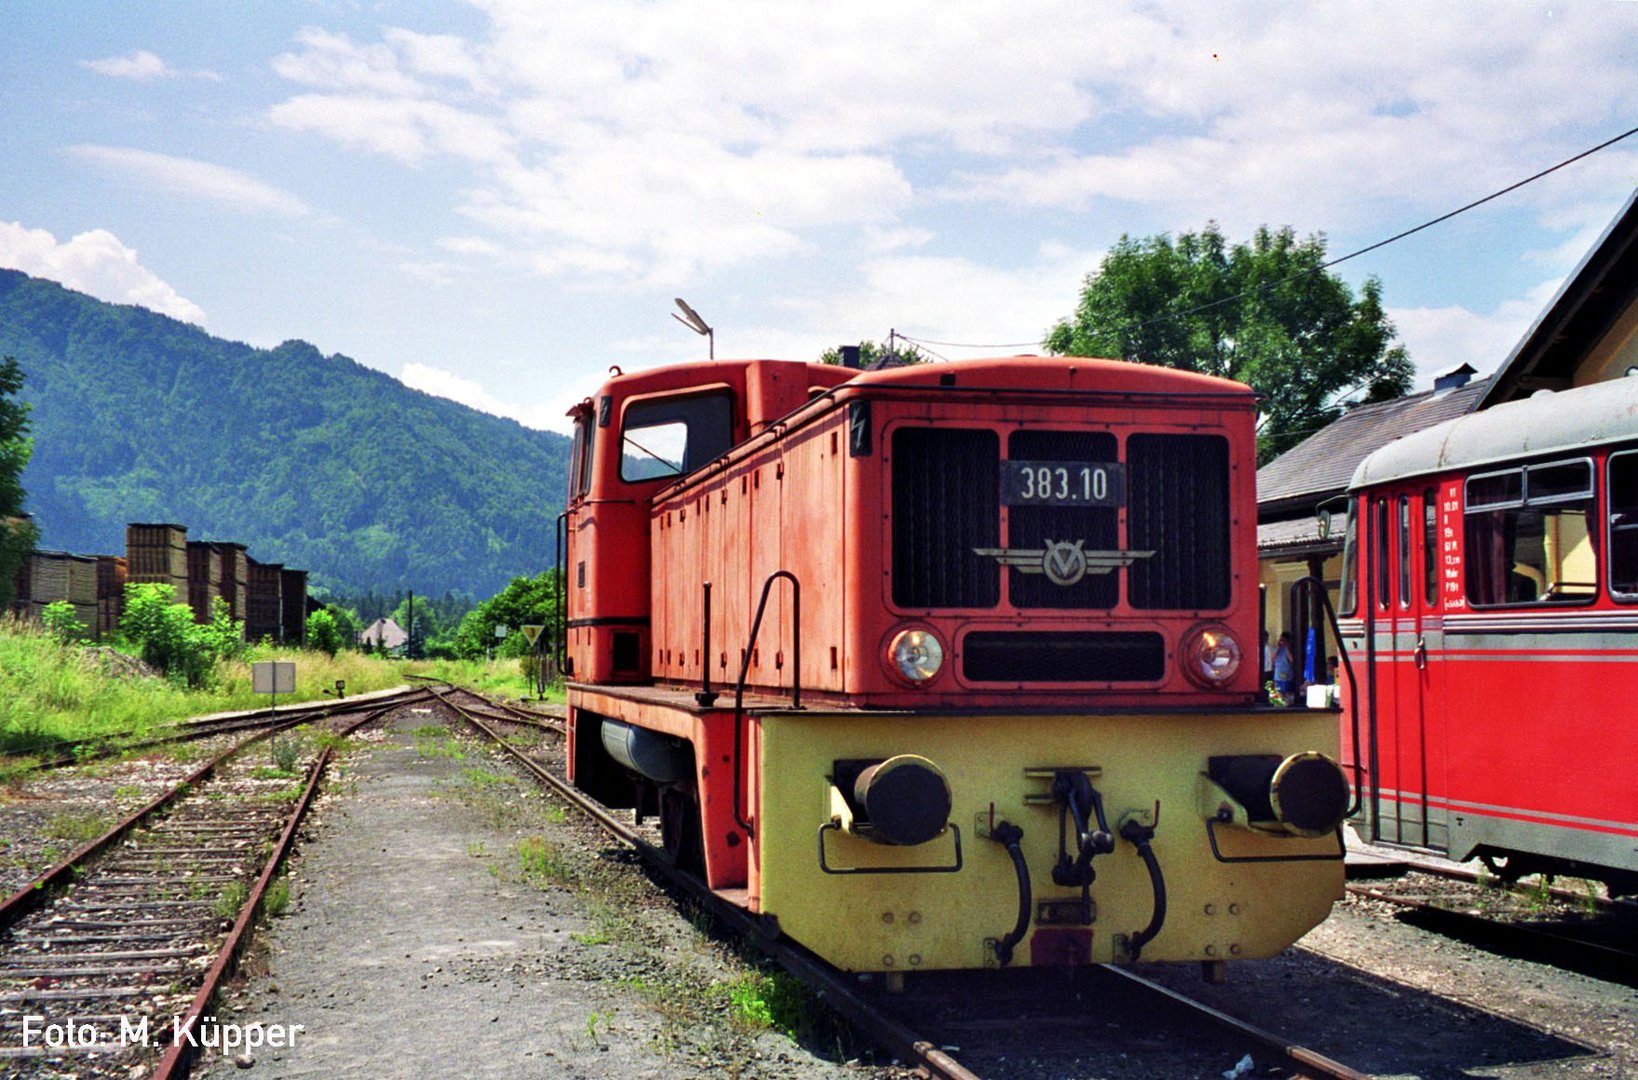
pixel 1008 835
pixel 1140 835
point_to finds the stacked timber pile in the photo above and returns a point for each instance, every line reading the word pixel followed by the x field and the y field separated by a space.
pixel 51 576
pixel 158 553
pixel 204 578
pixel 234 584
pixel 112 574
pixel 293 605
pixel 264 611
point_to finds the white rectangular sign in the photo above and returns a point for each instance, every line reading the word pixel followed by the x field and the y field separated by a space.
pixel 273 677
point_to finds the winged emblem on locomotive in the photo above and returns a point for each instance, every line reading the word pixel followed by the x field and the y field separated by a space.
pixel 1064 562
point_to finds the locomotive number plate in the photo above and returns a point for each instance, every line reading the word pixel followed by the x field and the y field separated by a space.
pixel 1063 483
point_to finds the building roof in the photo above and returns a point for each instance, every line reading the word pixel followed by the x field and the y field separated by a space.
pixel 1587 304
pixel 1321 465
pixel 1302 535
pixel 387 632
pixel 1567 422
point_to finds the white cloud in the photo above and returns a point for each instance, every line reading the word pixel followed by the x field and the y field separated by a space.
pixel 658 138
pixel 216 183
pixel 332 61
pixel 409 130
pixel 96 263
pixel 1252 113
pixel 1439 338
pixel 547 416
pixel 143 66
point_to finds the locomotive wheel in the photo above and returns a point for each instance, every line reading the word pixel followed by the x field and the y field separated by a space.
pixel 680 831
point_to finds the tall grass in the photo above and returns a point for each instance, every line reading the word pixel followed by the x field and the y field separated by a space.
pixel 498 678
pixel 52 693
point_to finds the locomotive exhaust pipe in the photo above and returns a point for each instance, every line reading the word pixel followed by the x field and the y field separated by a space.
pixel 1305 794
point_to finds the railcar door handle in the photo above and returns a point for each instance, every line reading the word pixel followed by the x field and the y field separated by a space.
pixel 1421 652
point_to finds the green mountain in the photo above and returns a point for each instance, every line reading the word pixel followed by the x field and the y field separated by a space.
pixel 313 461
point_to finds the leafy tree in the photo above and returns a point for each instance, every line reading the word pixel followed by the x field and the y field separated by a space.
pixel 17 534
pixel 1266 313
pixel 870 353
pixel 323 633
pixel 524 601
pixel 347 625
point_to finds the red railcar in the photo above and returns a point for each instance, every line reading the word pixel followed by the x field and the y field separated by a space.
pixel 906 659
pixel 1490 610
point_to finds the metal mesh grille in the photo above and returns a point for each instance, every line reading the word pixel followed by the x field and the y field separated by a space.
pixel 1177 507
pixel 946 501
pixel 1032 527
pixel 1035 656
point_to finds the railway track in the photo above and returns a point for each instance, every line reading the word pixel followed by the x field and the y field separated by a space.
pixel 80 751
pixel 110 961
pixel 1580 932
pixel 873 1012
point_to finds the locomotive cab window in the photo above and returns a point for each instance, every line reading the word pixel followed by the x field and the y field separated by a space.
pixel 674 436
pixel 1527 535
pixel 580 459
pixel 1623 547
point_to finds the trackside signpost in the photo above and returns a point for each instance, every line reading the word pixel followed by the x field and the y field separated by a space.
pixel 531 633
pixel 273 677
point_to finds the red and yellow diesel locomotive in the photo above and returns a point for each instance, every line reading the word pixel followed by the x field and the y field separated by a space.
pixel 948 665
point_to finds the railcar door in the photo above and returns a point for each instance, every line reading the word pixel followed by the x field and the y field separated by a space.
pixel 1405 757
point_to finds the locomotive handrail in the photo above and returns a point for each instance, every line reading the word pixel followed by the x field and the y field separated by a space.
pixel 1307 588
pixel 744 673
pixel 561 557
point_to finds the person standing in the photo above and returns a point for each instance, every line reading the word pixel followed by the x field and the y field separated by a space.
pixel 1285 667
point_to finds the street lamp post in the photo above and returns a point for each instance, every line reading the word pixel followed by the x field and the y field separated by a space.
pixel 691 319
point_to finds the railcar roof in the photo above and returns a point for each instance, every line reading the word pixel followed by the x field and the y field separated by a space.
pixel 1548 423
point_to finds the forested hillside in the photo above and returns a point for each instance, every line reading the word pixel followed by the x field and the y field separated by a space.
pixel 314 461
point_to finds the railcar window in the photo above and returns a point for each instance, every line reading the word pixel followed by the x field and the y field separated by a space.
pixel 1404 552
pixel 1379 544
pixel 1623 500
pixel 1527 535
pixel 1349 590
pixel 674 436
pixel 1430 546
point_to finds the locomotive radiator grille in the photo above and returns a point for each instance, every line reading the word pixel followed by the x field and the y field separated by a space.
pixel 1177 507
pixel 946 502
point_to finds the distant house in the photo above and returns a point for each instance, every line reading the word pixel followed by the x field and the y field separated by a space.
pixel 384 635
pixel 1587 333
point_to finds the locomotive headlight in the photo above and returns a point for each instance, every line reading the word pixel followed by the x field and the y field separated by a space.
pixel 916 655
pixel 1210 655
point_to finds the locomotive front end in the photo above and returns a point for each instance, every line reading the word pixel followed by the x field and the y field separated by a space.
pixel 1046 839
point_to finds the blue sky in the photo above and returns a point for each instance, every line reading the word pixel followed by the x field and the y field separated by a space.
pixel 496 201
